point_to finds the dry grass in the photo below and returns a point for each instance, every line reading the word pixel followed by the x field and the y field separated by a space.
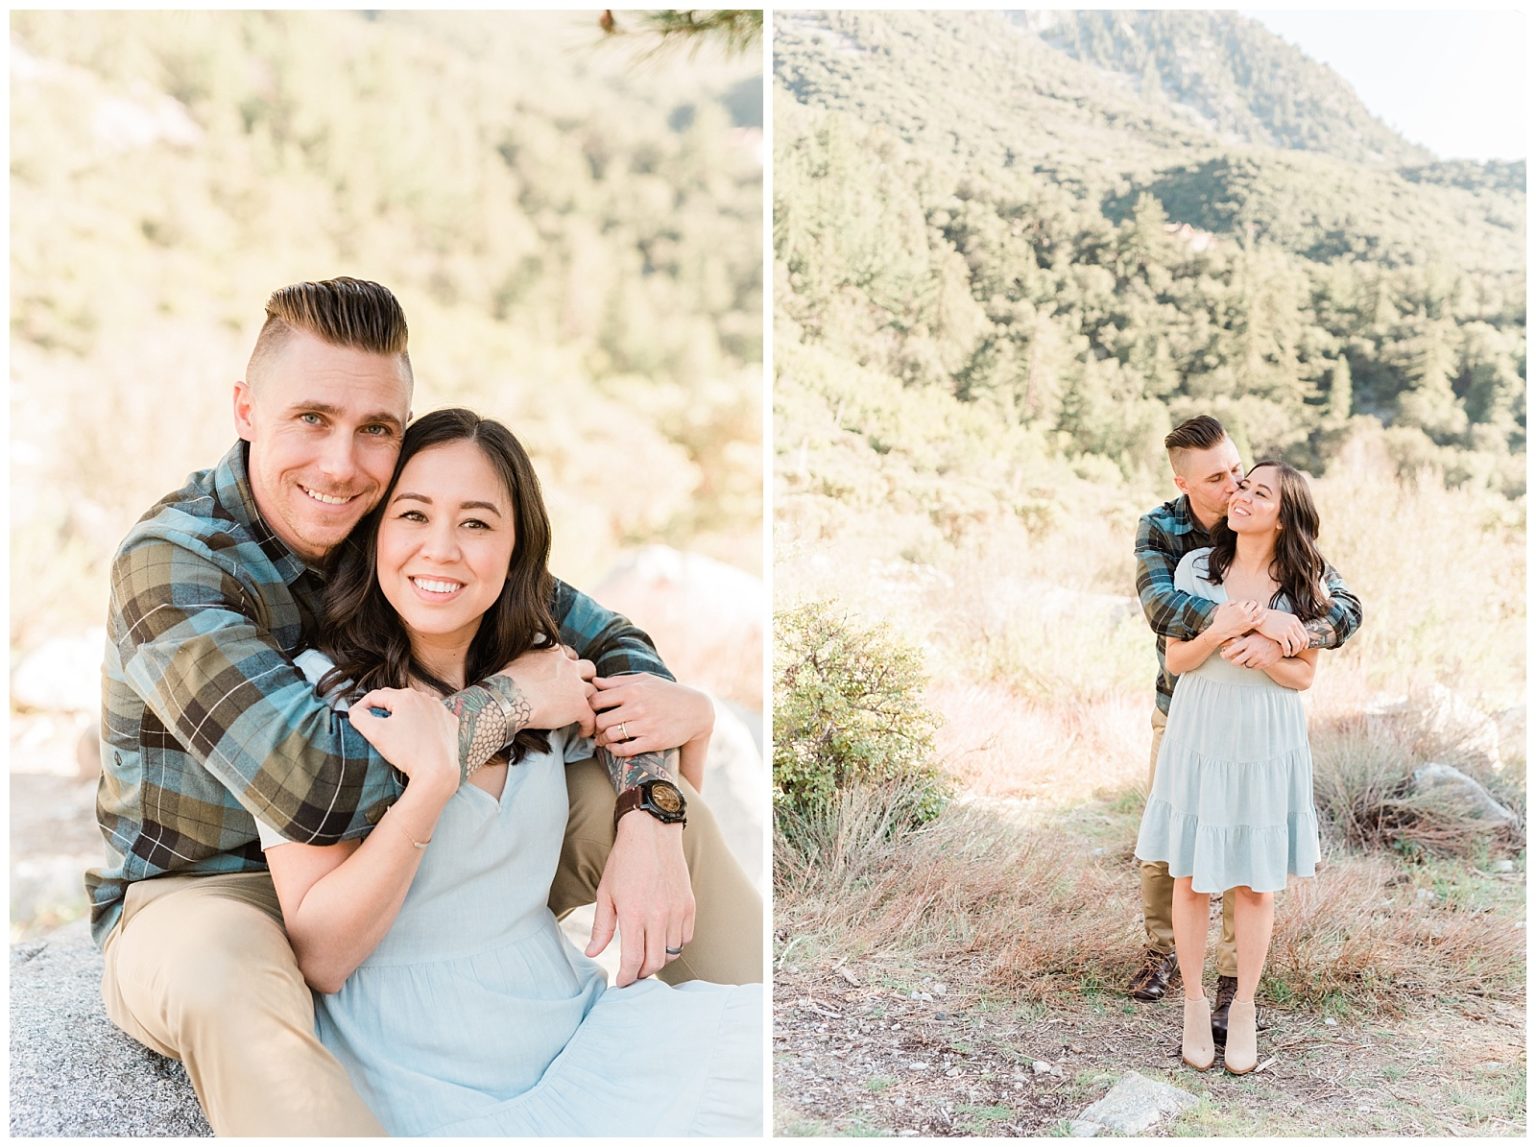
pixel 1360 934
pixel 1028 886
pixel 1033 907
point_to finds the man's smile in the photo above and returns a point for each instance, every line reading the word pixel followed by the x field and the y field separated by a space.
pixel 328 499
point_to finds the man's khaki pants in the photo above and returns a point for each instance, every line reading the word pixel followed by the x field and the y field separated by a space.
pixel 199 969
pixel 1157 888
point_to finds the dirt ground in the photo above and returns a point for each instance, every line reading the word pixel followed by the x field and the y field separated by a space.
pixel 897 1051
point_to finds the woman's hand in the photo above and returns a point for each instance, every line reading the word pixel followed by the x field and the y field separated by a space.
pixel 1235 617
pixel 420 737
pixel 639 713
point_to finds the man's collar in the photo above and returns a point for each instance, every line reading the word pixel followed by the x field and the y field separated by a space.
pixel 232 487
pixel 1185 512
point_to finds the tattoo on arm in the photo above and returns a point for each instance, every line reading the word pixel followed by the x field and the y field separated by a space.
pixel 490 714
pixel 1320 634
pixel 627 772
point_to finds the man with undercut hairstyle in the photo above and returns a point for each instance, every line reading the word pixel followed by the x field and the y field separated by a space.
pixel 207 725
pixel 1206 470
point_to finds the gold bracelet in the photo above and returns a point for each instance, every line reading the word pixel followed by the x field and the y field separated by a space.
pixel 415 843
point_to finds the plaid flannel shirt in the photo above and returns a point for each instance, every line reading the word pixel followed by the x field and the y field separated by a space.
pixel 206 723
pixel 1163 537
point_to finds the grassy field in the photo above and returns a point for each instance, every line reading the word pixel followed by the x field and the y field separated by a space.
pixel 967 977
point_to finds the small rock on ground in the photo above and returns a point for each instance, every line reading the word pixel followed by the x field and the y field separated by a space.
pixel 1134 1104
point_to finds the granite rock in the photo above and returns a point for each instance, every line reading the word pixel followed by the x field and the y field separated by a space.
pixel 72 1072
pixel 1131 1107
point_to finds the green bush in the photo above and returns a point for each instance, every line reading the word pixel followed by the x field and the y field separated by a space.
pixel 848 710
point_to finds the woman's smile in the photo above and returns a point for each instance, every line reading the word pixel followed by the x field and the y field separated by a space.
pixel 436 589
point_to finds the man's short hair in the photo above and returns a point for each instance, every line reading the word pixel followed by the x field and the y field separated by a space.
pixel 1199 433
pixel 343 312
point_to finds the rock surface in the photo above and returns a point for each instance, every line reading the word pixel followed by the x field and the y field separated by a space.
pixel 1132 1106
pixel 62 675
pixel 1464 791
pixel 705 617
pixel 72 1072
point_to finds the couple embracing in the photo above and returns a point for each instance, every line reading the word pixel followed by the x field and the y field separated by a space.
pixel 360 750
pixel 1231 580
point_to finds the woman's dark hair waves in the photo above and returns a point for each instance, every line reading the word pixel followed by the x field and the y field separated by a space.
pixel 359 629
pixel 1298 565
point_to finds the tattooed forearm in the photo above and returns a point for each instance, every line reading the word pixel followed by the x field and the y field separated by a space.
pixel 1320 634
pixel 627 772
pixel 490 714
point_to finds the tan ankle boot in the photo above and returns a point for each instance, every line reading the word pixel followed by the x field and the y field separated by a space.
pixel 1242 1038
pixel 1199 1047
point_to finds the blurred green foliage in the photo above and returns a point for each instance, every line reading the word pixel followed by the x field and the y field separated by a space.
pixel 575 233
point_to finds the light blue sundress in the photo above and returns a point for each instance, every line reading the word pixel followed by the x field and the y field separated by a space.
pixel 476 1016
pixel 1231 801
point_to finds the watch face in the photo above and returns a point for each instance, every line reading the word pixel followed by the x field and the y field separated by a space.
pixel 666 798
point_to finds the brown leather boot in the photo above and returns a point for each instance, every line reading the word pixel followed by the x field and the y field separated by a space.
pixel 1226 989
pixel 1199 1049
pixel 1242 1038
pixel 1151 980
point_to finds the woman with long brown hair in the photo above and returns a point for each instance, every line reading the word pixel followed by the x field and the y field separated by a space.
pixel 443 982
pixel 1231 804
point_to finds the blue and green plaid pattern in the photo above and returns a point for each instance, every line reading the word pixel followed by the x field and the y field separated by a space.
pixel 206 724
pixel 1163 537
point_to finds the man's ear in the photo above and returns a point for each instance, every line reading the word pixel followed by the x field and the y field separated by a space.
pixel 1178 480
pixel 243 410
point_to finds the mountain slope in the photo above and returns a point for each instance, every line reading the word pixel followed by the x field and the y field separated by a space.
pixel 1243 81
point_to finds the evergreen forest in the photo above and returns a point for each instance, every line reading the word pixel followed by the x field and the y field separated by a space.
pixel 1011 251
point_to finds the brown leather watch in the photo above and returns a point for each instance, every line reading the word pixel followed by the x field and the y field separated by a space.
pixel 662 799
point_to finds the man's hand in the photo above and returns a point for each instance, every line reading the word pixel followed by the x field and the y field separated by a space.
pixel 557 685
pixel 645 890
pixel 1287 629
pixel 1235 617
pixel 1252 651
pixel 639 713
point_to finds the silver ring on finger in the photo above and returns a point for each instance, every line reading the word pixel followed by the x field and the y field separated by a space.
pixel 623 731
pixel 671 952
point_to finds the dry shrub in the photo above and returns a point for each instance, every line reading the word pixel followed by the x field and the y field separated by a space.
pixel 1027 908
pixel 1363 784
pixel 1357 931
